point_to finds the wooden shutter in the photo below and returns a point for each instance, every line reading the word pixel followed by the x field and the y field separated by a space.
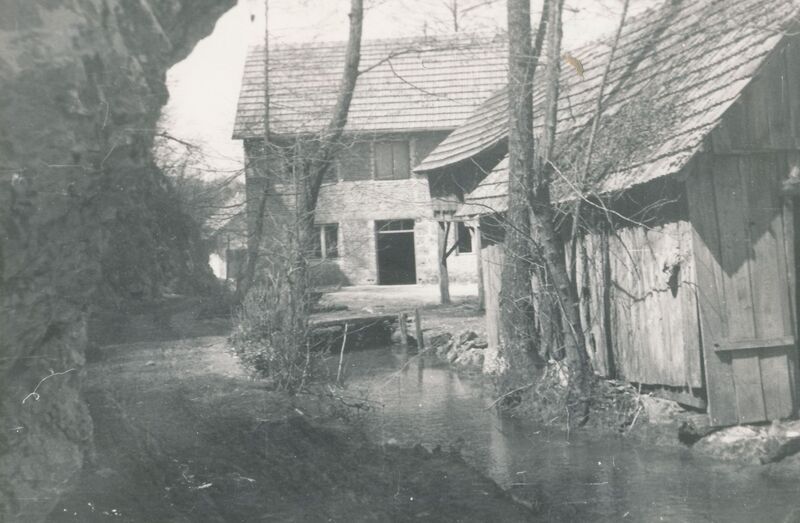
pixel 400 160
pixel 384 168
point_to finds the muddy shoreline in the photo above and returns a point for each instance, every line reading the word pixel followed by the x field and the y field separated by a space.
pixel 622 410
pixel 182 434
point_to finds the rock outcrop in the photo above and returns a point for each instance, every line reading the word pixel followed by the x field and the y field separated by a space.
pixel 81 86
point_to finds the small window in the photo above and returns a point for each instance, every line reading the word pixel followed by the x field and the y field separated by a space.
pixel 331 239
pixel 353 162
pixel 391 160
pixel 326 242
pixel 463 239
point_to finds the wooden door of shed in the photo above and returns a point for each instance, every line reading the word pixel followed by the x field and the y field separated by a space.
pixel 744 253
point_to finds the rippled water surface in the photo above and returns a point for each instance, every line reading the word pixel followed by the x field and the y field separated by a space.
pixel 583 478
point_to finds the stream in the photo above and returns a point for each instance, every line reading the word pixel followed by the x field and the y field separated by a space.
pixel 581 478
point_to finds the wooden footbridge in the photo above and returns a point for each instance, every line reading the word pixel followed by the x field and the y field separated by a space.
pixel 357 330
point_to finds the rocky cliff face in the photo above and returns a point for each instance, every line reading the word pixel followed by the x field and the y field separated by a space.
pixel 81 86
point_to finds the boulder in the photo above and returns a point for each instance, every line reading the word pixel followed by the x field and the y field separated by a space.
pixel 471 359
pixel 745 444
pixel 660 411
pixel 437 340
pixel 454 353
pixel 783 440
pixel 480 343
pixel 465 336
pixel 444 349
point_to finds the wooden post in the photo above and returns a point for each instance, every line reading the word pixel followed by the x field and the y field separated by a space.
pixel 479 264
pixel 418 325
pixel 341 356
pixel 444 279
pixel 402 322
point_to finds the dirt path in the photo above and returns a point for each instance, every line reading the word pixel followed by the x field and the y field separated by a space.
pixel 182 435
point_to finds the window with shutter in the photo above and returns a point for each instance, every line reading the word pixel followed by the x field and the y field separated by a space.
pixel 391 160
pixel 354 162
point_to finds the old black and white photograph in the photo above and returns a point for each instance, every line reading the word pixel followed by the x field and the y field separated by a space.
pixel 399 260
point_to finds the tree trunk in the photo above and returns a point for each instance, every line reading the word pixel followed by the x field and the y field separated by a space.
pixel 320 158
pixel 255 236
pixel 550 247
pixel 517 326
pixel 331 135
pixel 315 158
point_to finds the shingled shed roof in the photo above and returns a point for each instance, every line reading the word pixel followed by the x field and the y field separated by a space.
pixel 490 196
pixel 694 58
pixel 407 84
pixel 484 128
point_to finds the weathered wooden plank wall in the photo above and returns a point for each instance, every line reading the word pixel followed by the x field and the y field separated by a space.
pixel 767 116
pixel 592 264
pixel 493 258
pixel 653 314
pixel 744 247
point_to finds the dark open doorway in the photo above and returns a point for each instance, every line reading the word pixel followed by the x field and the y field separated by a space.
pixel 395 246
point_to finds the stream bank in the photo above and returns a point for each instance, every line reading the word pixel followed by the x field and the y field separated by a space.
pixel 585 475
pixel 455 335
pixel 619 408
pixel 182 434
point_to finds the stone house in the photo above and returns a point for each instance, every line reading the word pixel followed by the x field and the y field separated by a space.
pixel 375 220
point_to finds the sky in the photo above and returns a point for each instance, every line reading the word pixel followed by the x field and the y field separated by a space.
pixel 204 88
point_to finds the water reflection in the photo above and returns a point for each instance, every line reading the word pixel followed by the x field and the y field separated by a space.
pixel 583 478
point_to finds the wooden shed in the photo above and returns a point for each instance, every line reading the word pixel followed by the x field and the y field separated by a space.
pixel 692 291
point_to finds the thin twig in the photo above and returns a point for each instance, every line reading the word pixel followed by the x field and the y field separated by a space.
pixel 518 389
pixel 34 394
pixel 638 408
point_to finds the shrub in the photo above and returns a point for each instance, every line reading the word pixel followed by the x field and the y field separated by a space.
pixel 266 340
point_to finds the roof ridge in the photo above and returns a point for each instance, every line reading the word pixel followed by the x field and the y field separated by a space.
pixel 478 37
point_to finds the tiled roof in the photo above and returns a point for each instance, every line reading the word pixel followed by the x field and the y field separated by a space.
pixel 490 196
pixel 408 84
pixel 486 127
pixel 693 57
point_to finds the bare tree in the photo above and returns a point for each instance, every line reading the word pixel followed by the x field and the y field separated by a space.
pixel 517 330
pixel 309 159
pixel 255 236
pixel 532 237
pixel 548 245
